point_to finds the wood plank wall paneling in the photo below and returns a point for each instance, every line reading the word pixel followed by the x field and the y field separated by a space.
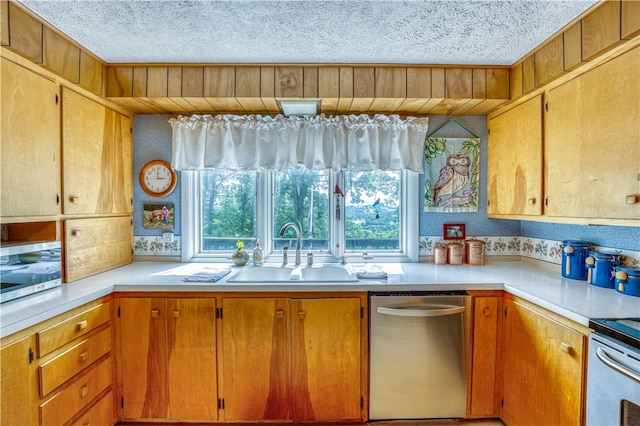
pixel 549 60
pixel 572 46
pixel 61 56
pixel 630 19
pixel 25 34
pixel 4 23
pixel 91 73
pixel 601 29
pixel 344 89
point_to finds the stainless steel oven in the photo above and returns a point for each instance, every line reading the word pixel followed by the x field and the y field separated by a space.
pixel 613 376
pixel 28 268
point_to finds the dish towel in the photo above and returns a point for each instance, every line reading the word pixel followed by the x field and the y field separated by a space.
pixel 374 273
pixel 206 277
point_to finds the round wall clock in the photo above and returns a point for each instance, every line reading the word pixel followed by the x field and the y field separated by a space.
pixel 157 178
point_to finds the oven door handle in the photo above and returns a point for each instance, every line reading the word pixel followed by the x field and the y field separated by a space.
pixel 615 365
pixel 421 311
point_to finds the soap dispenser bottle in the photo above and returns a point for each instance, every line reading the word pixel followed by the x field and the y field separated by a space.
pixel 257 254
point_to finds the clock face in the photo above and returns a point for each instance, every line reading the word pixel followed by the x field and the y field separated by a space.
pixel 157 178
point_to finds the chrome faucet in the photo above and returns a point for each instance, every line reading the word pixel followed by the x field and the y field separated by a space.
pixel 297 229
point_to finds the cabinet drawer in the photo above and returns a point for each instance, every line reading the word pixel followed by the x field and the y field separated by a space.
pixel 60 334
pixel 101 413
pixel 66 403
pixel 58 370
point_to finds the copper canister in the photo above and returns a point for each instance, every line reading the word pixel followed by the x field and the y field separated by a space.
pixel 455 253
pixel 439 255
pixel 474 252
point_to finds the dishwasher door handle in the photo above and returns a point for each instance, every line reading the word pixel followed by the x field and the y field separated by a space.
pixel 421 311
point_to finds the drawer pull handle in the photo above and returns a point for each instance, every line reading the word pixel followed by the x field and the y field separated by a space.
pixel 565 347
pixel 84 356
pixel 176 314
pixel 279 314
pixel 82 325
pixel 84 391
pixel 155 313
pixel 301 314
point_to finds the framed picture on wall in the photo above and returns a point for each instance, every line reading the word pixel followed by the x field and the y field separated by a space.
pixel 453 231
pixel 157 216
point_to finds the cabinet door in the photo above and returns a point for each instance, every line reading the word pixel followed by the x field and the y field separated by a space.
pixel 97 150
pixel 256 359
pixel 514 161
pixel 326 359
pixel 17 384
pixel 30 143
pixel 95 245
pixel 543 370
pixel 486 318
pixel 143 360
pixel 191 354
pixel 592 149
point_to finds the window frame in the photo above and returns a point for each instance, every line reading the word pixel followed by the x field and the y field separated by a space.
pixel 191 194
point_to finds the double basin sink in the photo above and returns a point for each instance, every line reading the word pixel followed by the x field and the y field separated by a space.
pixel 307 274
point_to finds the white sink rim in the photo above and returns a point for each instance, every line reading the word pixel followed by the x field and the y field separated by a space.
pixel 277 274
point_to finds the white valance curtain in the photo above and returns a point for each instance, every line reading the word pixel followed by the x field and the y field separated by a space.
pixel 251 142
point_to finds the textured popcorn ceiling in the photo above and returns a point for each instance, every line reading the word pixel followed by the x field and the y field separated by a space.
pixel 487 32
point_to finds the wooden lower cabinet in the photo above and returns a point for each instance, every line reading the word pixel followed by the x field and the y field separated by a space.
pixel 485 357
pixel 286 359
pixel 543 369
pixel 168 358
pixel 18 384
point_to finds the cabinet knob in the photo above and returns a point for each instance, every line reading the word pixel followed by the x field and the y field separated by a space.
pixel 279 314
pixel 531 201
pixel 301 314
pixel 565 347
pixel 176 314
pixel 74 199
pixel 75 232
pixel 82 325
pixel 155 313
pixel 84 391
pixel 632 199
pixel 84 356
pixel 486 312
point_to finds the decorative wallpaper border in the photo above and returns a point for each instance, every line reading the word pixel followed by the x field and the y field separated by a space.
pixel 154 246
pixel 533 248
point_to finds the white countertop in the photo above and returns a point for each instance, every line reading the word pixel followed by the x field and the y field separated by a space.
pixel 544 286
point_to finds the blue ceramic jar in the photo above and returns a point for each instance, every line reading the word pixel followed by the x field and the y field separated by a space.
pixel 601 268
pixel 628 280
pixel 574 254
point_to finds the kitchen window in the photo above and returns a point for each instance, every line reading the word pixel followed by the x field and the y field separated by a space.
pixel 361 215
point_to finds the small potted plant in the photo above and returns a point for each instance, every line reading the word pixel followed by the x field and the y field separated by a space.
pixel 240 257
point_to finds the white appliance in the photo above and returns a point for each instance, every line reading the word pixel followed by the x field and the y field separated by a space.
pixel 613 376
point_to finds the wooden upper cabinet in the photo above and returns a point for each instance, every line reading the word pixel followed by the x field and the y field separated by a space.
pixel 591 142
pixel 514 160
pixel 98 157
pixel 30 143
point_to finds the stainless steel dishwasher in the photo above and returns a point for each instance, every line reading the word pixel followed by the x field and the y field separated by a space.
pixel 418 347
